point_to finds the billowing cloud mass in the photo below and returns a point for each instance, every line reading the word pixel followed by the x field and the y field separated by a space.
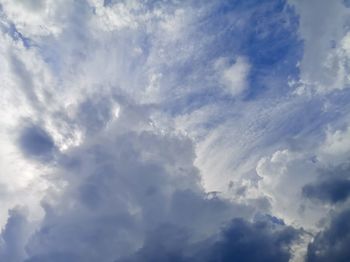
pixel 177 131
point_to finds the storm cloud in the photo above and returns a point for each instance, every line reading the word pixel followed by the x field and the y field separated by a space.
pixel 332 244
pixel 240 240
pixel 332 190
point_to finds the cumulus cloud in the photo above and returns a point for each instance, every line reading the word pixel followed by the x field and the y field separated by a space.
pixel 106 200
pixel 305 188
pixel 283 176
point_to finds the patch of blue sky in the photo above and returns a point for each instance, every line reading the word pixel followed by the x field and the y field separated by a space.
pixel 9 28
pixel 17 36
pixel 265 32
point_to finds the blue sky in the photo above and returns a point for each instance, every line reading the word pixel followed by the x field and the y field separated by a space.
pixel 174 130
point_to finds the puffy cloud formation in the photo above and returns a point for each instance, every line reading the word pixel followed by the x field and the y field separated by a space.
pixel 112 203
pixel 174 130
pixel 120 186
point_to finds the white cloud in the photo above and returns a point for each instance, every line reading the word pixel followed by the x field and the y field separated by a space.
pixel 336 148
pixel 233 77
pixel 285 173
pixel 324 63
pixel 283 176
pixel 35 17
pixel 117 16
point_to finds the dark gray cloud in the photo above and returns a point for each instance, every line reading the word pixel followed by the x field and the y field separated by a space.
pixel 333 191
pixel 35 142
pixel 259 241
pixel 240 240
pixel 55 257
pixel 346 3
pixel 333 243
pixel 333 185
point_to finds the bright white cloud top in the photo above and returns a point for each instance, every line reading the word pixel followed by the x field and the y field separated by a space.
pixel 207 131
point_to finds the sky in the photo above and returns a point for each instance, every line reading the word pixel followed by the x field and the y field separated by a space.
pixel 174 131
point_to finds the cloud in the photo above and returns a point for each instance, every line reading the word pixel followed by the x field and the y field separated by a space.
pixel 283 175
pixel 55 257
pixel 336 147
pixel 291 178
pixel 324 64
pixel 234 77
pixel 106 200
pixel 238 241
pixel 170 124
pixel 35 17
pixel 332 185
pixel 36 143
pixel 332 190
pixel 14 236
pixel 332 243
